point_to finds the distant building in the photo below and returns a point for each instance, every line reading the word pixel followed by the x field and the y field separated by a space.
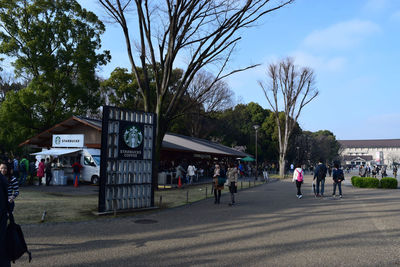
pixel 370 152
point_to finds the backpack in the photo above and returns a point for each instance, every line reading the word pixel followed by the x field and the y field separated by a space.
pixel 299 176
pixel 321 172
pixel 22 166
pixel 16 245
pixel 340 175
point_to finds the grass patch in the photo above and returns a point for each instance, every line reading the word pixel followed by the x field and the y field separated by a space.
pixel 68 207
pixel 30 205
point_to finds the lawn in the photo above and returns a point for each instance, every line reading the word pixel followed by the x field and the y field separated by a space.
pixel 66 206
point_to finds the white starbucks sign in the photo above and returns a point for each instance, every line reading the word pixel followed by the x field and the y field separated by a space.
pixel 68 140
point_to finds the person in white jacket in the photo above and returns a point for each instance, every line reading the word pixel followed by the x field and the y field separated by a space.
pixel 298 177
pixel 191 171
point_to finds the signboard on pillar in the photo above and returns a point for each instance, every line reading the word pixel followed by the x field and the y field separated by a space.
pixel 127 148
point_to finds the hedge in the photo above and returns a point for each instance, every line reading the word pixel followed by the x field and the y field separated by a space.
pixel 365 182
pixel 370 182
pixel 388 182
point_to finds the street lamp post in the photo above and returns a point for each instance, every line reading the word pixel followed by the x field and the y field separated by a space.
pixel 256 127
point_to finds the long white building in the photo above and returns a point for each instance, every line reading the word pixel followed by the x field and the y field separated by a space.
pixel 371 152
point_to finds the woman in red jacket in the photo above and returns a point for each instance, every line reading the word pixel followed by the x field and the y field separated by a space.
pixel 40 171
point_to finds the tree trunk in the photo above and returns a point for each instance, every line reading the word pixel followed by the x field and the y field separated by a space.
pixel 282 165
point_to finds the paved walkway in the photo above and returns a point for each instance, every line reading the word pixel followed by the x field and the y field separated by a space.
pixel 268 227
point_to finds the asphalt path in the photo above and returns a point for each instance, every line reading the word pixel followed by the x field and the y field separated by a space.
pixel 268 227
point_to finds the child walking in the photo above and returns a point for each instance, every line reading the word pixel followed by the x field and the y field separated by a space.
pixel 298 178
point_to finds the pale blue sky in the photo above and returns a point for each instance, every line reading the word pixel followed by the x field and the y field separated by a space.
pixel 352 46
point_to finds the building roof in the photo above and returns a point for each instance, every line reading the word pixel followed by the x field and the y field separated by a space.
pixel 60 128
pixel 192 144
pixel 356 158
pixel 172 142
pixel 377 143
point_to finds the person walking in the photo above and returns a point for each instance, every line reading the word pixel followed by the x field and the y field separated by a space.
pixel 23 168
pixel 47 171
pixel 395 171
pixel 232 175
pixel 362 171
pixel 12 185
pixel 338 178
pixel 180 174
pixel 217 186
pixel 191 171
pixel 4 207
pixel 16 167
pixel 77 171
pixel 40 171
pixel 319 175
pixel 298 177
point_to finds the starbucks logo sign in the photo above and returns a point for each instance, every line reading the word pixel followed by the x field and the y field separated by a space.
pixel 133 137
pixel 58 140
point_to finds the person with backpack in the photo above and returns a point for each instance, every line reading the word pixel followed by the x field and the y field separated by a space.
pixel 319 175
pixel 23 168
pixel 4 206
pixel 298 177
pixel 16 167
pixel 338 178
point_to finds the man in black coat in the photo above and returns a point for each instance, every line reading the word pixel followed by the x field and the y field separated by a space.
pixel 4 262
pixel 320 174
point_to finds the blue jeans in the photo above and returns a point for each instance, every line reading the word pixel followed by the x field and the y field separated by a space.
pixel 23 178
pixel 322 182
pixel 339 186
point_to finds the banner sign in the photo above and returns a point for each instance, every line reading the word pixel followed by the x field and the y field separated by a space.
pixel 127 159
pixel 68 140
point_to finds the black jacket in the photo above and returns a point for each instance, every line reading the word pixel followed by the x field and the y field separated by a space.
pixel 320 171
pixel 338 175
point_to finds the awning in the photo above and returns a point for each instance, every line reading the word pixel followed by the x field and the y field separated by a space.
pixel 57 152
pixel 248 159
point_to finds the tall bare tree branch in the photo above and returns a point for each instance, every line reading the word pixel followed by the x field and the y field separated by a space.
pixel 296 87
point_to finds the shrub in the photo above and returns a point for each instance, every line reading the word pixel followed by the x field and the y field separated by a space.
pixel 365 182
pixel 353 179
pixel 356 181
pixel 388 182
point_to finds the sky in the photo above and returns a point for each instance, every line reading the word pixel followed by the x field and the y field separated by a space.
pixel 352 46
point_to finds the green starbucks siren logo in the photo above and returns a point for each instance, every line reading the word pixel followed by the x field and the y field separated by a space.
pixel 58 140
pixel 133 137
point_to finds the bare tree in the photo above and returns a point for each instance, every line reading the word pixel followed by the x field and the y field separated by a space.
pixel 296 88
pixel 200 32
pixel 206 98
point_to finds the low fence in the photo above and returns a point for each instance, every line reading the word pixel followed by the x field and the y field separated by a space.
pixel 173 197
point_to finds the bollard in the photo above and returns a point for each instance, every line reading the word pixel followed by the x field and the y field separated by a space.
pixel 43 216
pixel 115 207
pixel 159 205
pixel 206 191
pixel 187 196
